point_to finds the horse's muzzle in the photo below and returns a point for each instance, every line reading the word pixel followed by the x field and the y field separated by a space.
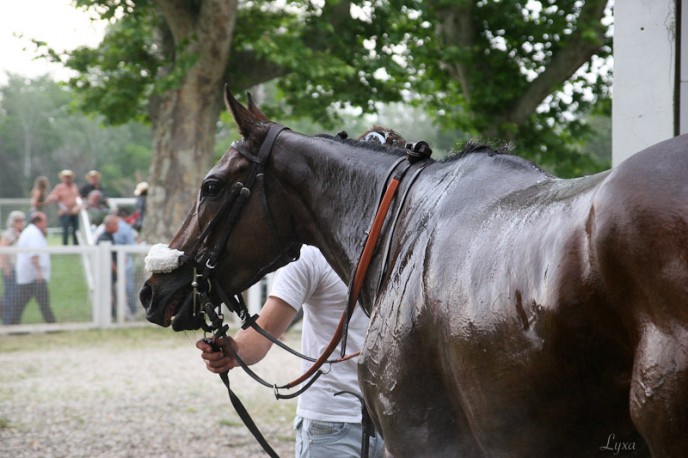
pixel 165 308
pixel 155 315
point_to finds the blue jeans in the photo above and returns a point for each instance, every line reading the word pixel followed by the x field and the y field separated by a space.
pixel 324 439
pixel 10 296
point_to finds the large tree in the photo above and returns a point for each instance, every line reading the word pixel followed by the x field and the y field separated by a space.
pixel 493 68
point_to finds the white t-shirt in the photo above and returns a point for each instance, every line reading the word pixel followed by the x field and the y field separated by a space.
pixel 32 237
pixel 312 282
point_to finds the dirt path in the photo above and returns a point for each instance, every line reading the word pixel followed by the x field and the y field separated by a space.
pixel 148 399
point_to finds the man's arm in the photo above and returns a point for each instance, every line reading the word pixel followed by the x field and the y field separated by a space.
pixel 252 347
pixel 54 195
pixel 36 262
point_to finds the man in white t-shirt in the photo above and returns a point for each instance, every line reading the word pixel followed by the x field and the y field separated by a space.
pixel 326 425
pixel 33 270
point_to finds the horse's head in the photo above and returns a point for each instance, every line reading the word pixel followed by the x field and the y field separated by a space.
pixel 233 234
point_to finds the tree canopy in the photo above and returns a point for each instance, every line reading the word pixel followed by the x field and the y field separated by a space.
pixel 516 70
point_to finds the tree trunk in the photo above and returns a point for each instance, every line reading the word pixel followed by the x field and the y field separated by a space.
pixel 183 138
pixel 184 118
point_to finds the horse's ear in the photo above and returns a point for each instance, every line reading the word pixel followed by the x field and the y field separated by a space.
pixel 244 119
pixel 253 108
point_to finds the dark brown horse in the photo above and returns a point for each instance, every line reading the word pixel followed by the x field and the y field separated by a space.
pixel 519 314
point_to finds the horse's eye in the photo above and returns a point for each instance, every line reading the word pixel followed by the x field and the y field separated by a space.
pixel 211 188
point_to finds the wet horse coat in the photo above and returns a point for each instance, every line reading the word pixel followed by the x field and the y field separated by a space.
pixel 519 314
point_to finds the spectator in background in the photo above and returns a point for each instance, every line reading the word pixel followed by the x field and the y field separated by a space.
pixel 33 270
pixel 93 184
pixel 66 195
pixel 126 235
pixel 15 224
pixel 141 192
pixel 39 194
pixel 110 226
pixel 96 207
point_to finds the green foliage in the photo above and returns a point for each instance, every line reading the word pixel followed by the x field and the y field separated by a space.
pixel 115 79
pixel 470 63
pixel 40 135
pixel 511 47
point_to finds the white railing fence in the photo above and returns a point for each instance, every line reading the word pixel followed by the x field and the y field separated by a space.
pixel 84 296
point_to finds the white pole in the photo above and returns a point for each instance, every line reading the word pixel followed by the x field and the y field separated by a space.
pixel 103 275
pixel 122 307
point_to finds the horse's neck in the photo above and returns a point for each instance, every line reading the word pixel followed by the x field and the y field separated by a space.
pixel 334 189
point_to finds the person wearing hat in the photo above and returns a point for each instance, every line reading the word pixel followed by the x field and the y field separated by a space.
pixel 93 184
pixel 66 195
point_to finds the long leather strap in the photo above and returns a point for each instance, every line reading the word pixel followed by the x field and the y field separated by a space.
pixel 358 277
pixel 246 418
pixel 366 257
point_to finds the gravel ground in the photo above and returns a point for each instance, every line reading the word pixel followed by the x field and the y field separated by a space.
pixel 143 399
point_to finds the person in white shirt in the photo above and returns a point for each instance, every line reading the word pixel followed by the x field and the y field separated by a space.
pixel 33 270
pixel 15 224
pixel 326 425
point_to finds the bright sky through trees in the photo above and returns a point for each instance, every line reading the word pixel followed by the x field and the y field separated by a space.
pixel 56 22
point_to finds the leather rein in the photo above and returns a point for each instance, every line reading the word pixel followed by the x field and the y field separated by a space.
pixel 205 282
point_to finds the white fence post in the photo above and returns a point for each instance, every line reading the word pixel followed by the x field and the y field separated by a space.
pixel 122 307
pixel 255 298
pixel 97 262
pixel 102 304
pixel 258 294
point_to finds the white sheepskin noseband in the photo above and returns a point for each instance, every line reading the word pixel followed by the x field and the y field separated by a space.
pixel 162 259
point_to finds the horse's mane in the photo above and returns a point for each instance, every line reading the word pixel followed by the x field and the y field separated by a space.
pixel 503 150
pixel 377 147
pixel 475 146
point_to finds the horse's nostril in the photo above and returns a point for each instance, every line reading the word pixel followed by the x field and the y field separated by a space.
pixel 145 295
